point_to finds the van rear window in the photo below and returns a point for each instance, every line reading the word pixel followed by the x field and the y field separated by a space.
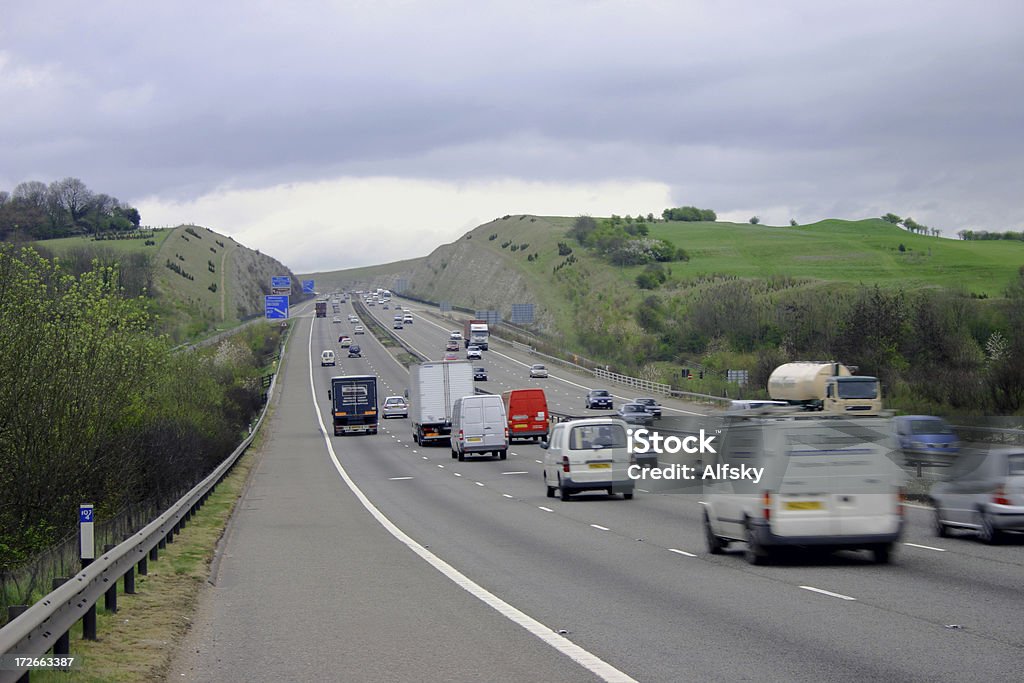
pixel 587 437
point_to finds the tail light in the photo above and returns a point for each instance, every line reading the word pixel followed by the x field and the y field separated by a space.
pixel 506 433
pixel 766 502
pixel 901 499
pixel 565 463
pixel 461 438
pixel 999 496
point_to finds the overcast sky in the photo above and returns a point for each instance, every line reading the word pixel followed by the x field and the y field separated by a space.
pixel 353 132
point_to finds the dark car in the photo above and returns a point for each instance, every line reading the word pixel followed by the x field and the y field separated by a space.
pixel 636 414
pixel 926 439
pixel 599 398
pixel 354 351
pixel 480 374
pixel 652 405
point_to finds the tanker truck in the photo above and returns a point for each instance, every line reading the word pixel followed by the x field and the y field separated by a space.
pixel 827 386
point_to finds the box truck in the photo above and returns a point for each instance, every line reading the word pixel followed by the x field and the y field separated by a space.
pixel 433 390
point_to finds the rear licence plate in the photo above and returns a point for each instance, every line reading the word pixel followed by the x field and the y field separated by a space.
pixel 600 465
pixel 804 505
pixel 474 439
pixel 520 426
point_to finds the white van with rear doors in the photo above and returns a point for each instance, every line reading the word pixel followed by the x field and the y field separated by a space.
pixel 803 482
pixel 588 455
pixel 479 426
pixel 326 357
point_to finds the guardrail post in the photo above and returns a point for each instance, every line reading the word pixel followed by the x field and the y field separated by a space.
pixel 89 623
pixel 144 564
pixel 129 581
pixel 161 544
pixel 62 645
pixel 110 597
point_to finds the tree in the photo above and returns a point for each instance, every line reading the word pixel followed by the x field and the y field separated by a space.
pixel 792 222
pixel 754 220
pixel 72 196
pixel 582 228
pixel 892 218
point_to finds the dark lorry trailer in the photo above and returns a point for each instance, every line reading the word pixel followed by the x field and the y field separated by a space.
pixel 354 404
pixel 321 309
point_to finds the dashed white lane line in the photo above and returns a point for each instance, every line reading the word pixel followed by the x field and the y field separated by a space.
pixel 545 509
pixel 521 472
pixel 479 483
pixel 398 478
pixel 441 466
pixel 506 495
pixel 828 593
pixel 539 462
pixel 598 526
pixel 681 552
pixel 456 474
pixel 926 547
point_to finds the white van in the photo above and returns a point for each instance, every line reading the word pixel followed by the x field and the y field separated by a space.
pixel 326 358
pixel 588 455
pixel 479 425
pixel 829 483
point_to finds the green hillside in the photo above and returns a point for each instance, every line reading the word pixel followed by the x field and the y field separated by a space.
pixel 199 281
pixel 924 313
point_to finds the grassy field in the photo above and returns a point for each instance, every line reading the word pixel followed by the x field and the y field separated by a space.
pixel 65 245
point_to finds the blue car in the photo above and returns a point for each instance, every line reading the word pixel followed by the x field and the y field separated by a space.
pixel 926 438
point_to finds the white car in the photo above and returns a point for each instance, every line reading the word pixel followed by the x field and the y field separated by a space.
pixel 359 330
pixel 336 319
pixel 473 353
pixel 538 370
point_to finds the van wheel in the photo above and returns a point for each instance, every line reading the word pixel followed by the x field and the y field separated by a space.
pixel 941 530
pixel 502 455
pixel 882 553
pixel 563 493
pixel 455 454
pixel 755 554
pixel 716 546
pixel 462 457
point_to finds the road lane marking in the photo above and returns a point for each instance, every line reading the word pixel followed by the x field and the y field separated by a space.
pixel 506 495
pixel 545 509
pixel 441 466
pixel 398 478
pixel 479 484
pixel 926 547
pixel 583 657
pixel 456 474
pixel 521 472
pixel 681 552
pixel 602 528
pixel 828 593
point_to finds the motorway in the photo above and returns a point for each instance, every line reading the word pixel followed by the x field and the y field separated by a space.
pixel 371 558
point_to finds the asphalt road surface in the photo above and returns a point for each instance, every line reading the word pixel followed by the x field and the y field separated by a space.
pixel 312 585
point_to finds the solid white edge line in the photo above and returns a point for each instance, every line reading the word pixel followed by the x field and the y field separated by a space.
pixel 829 593
pixel 681 552
pixel 591 662
pixel 926 547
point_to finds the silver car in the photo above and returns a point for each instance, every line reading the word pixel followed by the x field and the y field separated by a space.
pixel 982 491
pixel 635 413
pixel 395 406
pixel 538 370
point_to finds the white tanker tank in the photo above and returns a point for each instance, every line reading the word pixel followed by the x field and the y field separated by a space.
pixel 827 386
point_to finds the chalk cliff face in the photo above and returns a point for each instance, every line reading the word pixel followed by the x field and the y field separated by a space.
pixel 252 272
pixel 469 276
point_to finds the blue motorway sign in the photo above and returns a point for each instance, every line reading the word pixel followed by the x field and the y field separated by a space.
pixel 307 287
pixel 280 281
pixel 275 307
pixel 85 513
